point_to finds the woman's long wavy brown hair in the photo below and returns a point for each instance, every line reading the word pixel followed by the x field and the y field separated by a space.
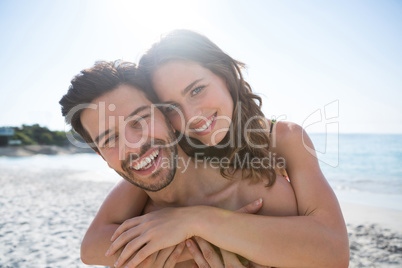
pixel 190 46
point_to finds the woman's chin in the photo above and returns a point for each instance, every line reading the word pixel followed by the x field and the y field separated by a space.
pixel 211 141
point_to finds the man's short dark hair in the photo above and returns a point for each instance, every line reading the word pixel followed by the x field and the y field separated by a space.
pixel 94 82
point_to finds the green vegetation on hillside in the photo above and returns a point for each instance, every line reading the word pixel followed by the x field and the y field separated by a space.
pixel 37 135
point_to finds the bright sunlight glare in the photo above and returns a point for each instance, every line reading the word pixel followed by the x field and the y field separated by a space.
pixel 150 19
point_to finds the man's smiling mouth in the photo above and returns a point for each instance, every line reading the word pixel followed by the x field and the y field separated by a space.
pixel 146 162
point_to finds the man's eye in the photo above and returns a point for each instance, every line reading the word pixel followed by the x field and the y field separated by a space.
pixel 110 142
pixel 171 108
pixel 196 90
pixel 137 123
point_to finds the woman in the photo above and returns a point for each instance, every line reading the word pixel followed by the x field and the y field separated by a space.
pixel 193 78
pixel 203 93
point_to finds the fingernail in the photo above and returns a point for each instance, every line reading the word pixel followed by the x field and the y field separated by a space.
pixel 116 264
pixel 107 253
pixel 188 243
pixel 257 202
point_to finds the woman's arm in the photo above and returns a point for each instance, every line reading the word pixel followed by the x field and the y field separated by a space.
pixel 316 238
pixel 123 202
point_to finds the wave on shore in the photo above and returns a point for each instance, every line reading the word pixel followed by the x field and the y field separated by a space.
pixel 29 150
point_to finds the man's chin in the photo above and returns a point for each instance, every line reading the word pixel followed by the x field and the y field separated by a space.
pixel 155 187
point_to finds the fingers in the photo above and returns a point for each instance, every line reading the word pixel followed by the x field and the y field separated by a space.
pixel 255 265
pixel 161 256
pixel 128 224
pixel 174 256
pixel 204 254
pixel 197 254
pixel 156 260
pixel 123 239
pixel 147 248
pixel 251 208
pixel 147 263
pixel 165 258
pixel 230 259
pixel 133 247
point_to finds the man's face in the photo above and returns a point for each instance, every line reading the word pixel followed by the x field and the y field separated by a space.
pixel 133 137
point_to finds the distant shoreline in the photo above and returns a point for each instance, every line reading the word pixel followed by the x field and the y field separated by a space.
pixel 30 150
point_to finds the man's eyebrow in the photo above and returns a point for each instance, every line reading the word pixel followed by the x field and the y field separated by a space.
pixel 136 111
pixel 189 87
pixel 97 139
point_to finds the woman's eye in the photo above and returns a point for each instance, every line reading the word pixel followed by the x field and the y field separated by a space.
pixel 196 91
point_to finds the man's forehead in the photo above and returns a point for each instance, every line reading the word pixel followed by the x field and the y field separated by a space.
pixel 128 95
pixel 122 101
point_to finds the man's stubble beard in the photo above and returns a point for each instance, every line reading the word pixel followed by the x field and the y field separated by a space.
pixel 165 180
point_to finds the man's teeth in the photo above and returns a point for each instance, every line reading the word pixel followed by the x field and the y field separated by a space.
pixel 205 126
pixel 146 162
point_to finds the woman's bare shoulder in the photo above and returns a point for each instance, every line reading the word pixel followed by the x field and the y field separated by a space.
pixel 286 134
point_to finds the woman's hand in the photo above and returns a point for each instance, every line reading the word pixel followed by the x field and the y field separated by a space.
pixel 152 232
pixel 147 234
pixel 205 256
pixel 165 258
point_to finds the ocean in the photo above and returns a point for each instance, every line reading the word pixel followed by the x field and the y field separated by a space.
pixel 361 168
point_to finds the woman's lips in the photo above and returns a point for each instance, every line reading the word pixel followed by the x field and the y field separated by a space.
pixel 206 126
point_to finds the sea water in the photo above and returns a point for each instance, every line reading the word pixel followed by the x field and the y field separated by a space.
pixel 361 168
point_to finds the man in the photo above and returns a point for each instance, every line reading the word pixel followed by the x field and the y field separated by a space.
pixel 110 107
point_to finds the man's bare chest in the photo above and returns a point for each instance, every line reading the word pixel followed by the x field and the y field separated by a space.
pixel 278 200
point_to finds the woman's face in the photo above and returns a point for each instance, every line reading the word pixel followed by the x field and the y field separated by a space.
pixel 196 101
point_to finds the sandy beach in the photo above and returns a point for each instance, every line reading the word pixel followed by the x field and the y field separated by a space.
pixel 45 214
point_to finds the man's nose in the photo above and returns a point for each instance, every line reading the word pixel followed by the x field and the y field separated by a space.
pixel 130 143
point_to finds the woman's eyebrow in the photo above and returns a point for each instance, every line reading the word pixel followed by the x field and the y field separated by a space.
pixel 189 87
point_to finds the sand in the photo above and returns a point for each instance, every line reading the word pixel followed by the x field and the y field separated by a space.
pixel 45 214
pixel 375 236
pixel 44 217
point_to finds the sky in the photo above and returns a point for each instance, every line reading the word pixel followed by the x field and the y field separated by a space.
pixel 330 66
